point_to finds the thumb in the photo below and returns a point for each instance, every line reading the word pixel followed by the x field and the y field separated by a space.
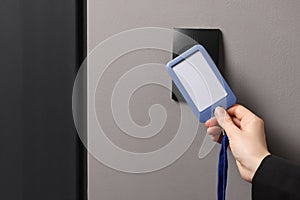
pixel 226 122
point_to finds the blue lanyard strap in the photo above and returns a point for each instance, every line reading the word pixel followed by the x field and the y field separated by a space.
pixel 222 168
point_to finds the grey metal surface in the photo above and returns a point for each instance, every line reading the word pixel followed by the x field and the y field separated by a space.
pixel 261 54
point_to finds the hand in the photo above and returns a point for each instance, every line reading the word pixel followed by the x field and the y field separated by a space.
pixel 246 136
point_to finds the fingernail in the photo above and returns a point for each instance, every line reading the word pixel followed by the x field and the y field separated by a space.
pixel 219 113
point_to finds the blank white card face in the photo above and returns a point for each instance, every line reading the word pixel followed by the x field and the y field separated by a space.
pixel 199 81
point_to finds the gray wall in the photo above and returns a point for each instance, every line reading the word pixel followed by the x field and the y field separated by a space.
pixel 261 44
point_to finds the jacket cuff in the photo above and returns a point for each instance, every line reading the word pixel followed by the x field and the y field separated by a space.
pixel 271 181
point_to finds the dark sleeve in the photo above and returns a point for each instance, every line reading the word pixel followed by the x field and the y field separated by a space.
pixel 275 179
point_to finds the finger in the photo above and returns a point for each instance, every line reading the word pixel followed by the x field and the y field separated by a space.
pixel 236 121
pixel 211 122
pixel 207 123
pixel 215 133
pixel 220 139
pixel 239 111
pixel 215 130
pixel 216 138
pixel 226 122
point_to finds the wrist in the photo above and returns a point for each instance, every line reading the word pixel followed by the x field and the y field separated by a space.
pixel 256 163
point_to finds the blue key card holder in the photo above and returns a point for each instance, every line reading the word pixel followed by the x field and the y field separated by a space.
pixel 200 82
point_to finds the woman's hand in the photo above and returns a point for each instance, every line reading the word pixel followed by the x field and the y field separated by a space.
pixel 246 136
